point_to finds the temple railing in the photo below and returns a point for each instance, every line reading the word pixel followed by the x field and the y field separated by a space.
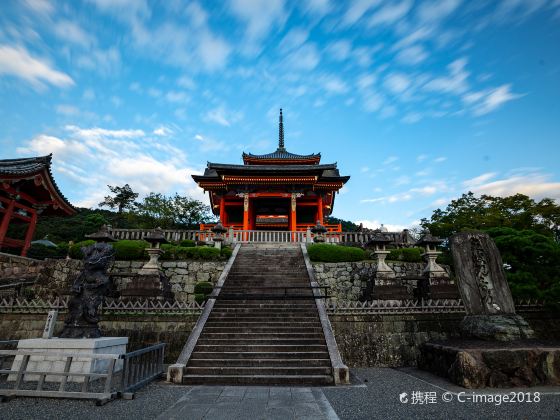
pixel 236 235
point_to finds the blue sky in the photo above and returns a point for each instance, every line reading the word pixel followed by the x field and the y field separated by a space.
pixel 417 101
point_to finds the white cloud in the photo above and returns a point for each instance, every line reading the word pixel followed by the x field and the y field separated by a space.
pixel 222 116
pixel 41 7
pixel 397 82
pixel 89 94
pixel 260 17
pixel 412 55
pixel 493 99
pixel 306 58
pixel 339 50
pixel 176 96
pixel 163 131
pixel 105 62
pixel 186 82
pixel 357 9
pixel 366 80
pixel 376 224
pixel 479 180
pixel 421 158
pixel 434 11
pixel 412 118
pixel 17 62
pixel 534 184
pixel 390 159
pixel 390 13
pixel 72 32
pixel 334 84
pixel 440 159
pixel 295 38
pixel 319 7
pixel 66 109
pixel 455 83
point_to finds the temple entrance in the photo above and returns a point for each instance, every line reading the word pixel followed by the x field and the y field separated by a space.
pixel 271 213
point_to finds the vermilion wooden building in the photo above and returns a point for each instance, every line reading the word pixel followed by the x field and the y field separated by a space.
pixel 27 189
pixel 275 191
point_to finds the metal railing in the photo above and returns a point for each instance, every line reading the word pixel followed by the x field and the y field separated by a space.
pixel 395 306
pixel 140 368
pixel 117 306
pixel 20 373
pixel 237 235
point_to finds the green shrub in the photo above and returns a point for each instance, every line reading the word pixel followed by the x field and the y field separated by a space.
pixel 406 254
pixel 208 253
pixel 201 291
pixel 129 250
pixel 75 250
pixel 187 243
pixel 168 251
pixel 334 253
pixel 40 252
pixel 204 287
pixel 226 252
pixel 199 298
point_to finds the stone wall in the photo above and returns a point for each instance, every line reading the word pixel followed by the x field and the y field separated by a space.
pixel 141 330
pixel 364 340
pixel 58 275
pixel 8 260
pixel 346 280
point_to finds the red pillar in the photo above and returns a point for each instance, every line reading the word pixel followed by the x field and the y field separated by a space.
pixel 246 212
pixel 222 211
pixel 320 209
pixel 293 219
pixel 29 234
pixel 6 221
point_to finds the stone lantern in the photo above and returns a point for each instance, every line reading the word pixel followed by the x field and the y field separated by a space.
pixel 379 243
pixel 155 238
pixel 219 231
pixel 103 235
pixel 432 270
pixel 319 230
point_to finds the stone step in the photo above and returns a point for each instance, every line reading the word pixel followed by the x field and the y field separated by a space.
pixel 264 309
pixel 259 328
pixel 268 324
pixel 260 355
pixel 264 319
pixel 257 370
pixel 283 341
pixel 261 347
pixel 258 379
pixel 260 362
pixel 261 335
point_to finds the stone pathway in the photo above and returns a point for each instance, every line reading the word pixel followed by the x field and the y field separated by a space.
pixel 251 402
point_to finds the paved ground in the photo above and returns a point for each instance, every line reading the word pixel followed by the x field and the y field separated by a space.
pixel 375 394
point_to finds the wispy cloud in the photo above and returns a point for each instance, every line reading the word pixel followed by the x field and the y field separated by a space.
pixel 17 62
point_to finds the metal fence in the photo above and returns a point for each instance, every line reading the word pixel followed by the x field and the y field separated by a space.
pixel 243 236
pixel 140 368
pixel 144 306
pixel 83 376
pixel 413 306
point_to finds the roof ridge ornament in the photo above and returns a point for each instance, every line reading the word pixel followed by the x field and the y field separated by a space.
pixel 281 133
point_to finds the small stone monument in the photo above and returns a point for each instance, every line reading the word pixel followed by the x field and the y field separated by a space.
pixel 484 290
pixel 219 231
pixel 433 270
pixel 382 270
pixel 48 331
pixel 319 231
pixel 150 281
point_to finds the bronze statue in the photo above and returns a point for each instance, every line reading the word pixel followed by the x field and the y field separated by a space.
pixel 89 289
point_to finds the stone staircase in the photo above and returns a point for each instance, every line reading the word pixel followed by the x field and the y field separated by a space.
pixel 254 336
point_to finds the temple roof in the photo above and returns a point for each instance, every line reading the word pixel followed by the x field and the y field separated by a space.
pixel 40 167
pixel 281 155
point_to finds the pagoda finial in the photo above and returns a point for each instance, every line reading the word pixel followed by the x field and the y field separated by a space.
pixel 281 133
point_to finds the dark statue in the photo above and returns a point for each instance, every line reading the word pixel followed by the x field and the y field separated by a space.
pixel 89 290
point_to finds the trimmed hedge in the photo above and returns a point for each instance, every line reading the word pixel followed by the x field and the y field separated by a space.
pixel 201 291
pixel 406 254
pixel 130 250
pixel 40 252
pixel 173 252
pixel 187 243
pixel 334 253
pixel 75 250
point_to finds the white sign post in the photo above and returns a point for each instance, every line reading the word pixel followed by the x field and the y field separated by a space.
pixel 49 325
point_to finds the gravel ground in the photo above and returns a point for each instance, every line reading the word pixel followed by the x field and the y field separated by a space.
pixel 379 399
pixel 374 394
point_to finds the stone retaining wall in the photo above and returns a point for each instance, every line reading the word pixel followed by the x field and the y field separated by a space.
pixel 58 275
pixel 8 261
pixel 363 340
pixel 346 280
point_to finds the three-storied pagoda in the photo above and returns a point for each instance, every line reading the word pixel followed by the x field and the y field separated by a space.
pixel 275 191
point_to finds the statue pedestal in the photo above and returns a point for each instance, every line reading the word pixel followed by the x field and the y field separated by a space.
pixel 102 345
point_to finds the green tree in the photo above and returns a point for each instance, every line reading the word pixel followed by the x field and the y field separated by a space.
pixel 172 212
pixel 123 199
pixel 347 226
pixel 485 212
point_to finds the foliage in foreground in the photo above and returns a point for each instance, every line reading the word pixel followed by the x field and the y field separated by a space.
pixel 334 253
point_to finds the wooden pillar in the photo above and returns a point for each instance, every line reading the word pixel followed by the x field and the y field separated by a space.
pixel 245 211
pixel 293 219
pixel 320 209
pixel 6 221
pixel 29 234
pixel 222 211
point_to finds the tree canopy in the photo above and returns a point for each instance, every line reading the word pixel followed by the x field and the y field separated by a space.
pixel 485 212
pixel 123 199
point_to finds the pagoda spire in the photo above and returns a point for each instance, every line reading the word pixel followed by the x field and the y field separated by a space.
pixel 281 133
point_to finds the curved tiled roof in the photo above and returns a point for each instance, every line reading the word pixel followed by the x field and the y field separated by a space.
pixel 31 166
pixel 281 154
